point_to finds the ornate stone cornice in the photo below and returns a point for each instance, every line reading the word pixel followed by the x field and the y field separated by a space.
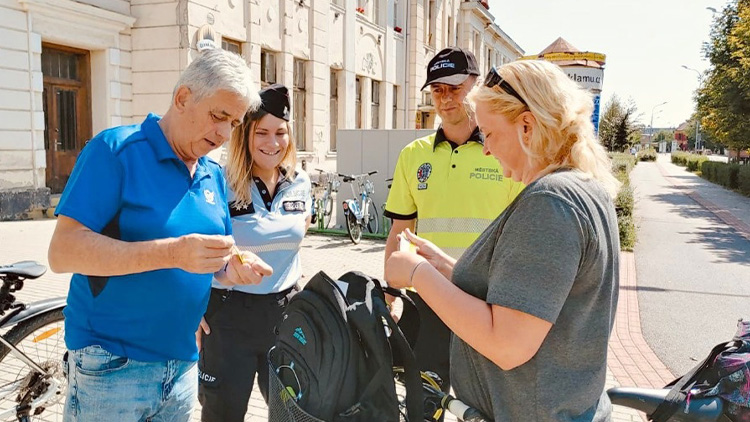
pixel 82 24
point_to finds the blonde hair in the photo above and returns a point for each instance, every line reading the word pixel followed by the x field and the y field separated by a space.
pixel 563 134
pixel 239 168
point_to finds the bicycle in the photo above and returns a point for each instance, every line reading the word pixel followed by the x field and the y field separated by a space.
pixel 32 380
pixel 387 222
pixel 360 213
pixel 323 190
pixel 647 400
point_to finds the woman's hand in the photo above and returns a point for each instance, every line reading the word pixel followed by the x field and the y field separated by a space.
pixel 400 267
pixel 434 255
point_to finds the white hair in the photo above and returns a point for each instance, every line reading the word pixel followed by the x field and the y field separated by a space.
pixel 216 69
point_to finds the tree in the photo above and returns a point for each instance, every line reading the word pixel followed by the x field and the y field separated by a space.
pixel 724 98
pixel 664 135
pixel 707 139
pixel 618 128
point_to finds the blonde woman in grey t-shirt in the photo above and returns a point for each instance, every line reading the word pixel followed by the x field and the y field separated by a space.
pixel 532 301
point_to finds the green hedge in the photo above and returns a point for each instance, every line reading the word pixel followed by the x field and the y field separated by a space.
pixel 732 176
pixel 693 162
pixel 743 179
pixel 648 154
pixel 622 162
pixel 627 232
pixel 624 204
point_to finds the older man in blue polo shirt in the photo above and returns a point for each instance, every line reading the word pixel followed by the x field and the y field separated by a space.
pixel 144 225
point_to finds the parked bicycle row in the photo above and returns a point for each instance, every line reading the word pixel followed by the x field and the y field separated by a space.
pixel 360 212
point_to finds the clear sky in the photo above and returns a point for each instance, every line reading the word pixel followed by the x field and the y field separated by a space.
pixel 646 43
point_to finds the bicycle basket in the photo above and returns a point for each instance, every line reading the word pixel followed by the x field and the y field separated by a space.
pixel 318 191
pixel 369 187
pixel 282 406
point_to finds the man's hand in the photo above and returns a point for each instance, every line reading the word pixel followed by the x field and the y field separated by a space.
pixel 251 271
pixel 200 253
pixel 202 328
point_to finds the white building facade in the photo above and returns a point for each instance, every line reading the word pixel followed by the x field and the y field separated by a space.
pixel 69 69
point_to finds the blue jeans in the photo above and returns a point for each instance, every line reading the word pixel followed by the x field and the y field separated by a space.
pixel 106 387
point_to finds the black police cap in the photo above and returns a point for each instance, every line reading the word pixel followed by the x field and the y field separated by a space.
pixel 275 100
pixel 451 66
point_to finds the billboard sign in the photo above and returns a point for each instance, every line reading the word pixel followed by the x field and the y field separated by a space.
pixel 588 77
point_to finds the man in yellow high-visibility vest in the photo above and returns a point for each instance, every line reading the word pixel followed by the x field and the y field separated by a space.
pixel 446 190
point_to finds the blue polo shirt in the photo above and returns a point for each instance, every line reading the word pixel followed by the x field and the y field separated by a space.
pixel 273 227
pixel 128 184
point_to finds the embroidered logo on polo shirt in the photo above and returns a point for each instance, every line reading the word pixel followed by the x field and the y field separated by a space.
pixel 209 196
pixel 423 173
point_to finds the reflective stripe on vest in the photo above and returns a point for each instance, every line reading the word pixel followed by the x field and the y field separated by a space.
pixel 452 225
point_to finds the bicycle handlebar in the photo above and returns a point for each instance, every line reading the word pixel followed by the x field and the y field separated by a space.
pixel 463 411
pixel 647 400
pixel 357 176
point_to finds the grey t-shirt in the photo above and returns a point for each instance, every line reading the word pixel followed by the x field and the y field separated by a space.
pixel 554 254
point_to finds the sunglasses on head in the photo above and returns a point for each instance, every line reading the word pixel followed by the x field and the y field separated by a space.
pixel 494 79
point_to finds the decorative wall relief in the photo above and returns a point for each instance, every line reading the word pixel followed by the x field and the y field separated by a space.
pixel 368 64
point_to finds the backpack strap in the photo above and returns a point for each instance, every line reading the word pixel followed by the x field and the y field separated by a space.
pixel 412 377
pixel 411 336
pixel 397 340
pixel 682 386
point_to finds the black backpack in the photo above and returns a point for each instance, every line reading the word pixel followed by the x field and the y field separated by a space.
pixel 725 373
pixel 333 358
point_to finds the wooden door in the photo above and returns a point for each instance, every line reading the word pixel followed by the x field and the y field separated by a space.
pixel 67 110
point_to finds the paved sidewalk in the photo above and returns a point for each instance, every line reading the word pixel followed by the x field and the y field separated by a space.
pixel 693 257
pixel 730 207
pixel 29 240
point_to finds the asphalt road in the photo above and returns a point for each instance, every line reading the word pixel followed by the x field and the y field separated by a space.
pixel 693 270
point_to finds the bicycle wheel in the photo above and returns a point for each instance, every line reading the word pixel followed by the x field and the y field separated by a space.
pixel 41 338
pixel 328 213
pixel 373 223
pixel 353 227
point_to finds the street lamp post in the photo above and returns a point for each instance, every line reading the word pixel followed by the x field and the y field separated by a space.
pixel 697 115
pixel 651 125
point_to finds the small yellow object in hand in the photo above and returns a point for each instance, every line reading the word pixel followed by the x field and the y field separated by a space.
pixel 237 252
pixel 405 245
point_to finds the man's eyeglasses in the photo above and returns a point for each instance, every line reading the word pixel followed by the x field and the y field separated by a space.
pixel 494 79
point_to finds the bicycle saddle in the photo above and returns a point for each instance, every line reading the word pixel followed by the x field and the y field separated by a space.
pixel 26 269
pixel 647 400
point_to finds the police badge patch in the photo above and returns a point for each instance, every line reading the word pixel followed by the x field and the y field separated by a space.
pixel 293 206
pixel 423 173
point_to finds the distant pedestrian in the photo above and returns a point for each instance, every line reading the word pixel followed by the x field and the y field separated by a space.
pixel 532 301
pixel 447 190
pixel 143 223
pixel 270 206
